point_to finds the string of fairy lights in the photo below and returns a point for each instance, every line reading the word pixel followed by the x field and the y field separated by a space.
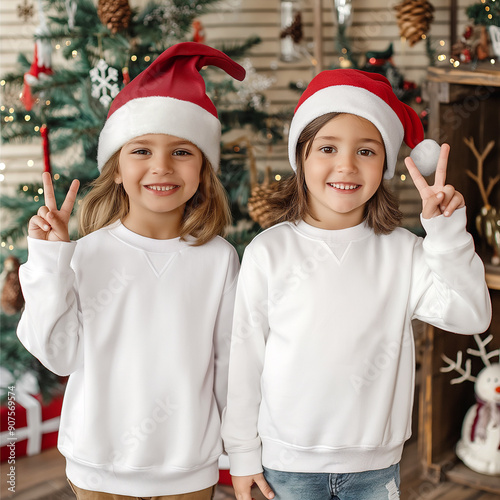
pixel 441 57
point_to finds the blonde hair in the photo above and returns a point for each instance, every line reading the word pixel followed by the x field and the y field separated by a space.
pixel 290 202
pixel 206 214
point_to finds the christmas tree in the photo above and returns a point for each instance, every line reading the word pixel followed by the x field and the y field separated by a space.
pixel 485 13
pixel 105 46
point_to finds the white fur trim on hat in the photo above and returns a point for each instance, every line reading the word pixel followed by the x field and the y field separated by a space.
pixel 160 115
pixel 356 101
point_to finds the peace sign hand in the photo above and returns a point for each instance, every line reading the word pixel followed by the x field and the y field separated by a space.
pixel 50 223
pixel 439 199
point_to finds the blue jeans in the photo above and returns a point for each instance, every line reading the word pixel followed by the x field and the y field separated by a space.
pixel 370 485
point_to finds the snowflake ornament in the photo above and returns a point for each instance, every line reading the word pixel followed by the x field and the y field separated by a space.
pixel 104 82
pixel 254 84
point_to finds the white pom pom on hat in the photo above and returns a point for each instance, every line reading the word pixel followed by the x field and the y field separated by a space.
pixel 370 96
pixel 425 155
pixel 169 97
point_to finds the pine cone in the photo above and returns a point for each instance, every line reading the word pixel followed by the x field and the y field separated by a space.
pixel 294 31
pixel 12 299
pixel 114 14
pixel 414 19
pixel 257 203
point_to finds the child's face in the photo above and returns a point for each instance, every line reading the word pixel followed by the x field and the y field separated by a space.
pixel 343 171
pixel 159 173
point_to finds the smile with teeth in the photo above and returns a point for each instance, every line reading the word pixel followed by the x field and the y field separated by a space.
pixel 161 188
pixel 346 187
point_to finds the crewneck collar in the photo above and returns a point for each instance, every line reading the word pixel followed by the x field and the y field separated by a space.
pixel 119 231
pixel 333 236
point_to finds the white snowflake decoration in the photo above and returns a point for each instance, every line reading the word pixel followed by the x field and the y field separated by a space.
pixel 253 85
pixel 104 82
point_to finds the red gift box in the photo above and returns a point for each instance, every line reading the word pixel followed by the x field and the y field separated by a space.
pixel 224 475
pixel 27 424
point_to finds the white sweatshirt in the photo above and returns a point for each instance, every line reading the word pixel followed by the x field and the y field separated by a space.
pixel 143 328
pixel 321 375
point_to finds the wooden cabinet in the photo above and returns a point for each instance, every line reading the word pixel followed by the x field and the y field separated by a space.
pixel 466 103
pixel 463 103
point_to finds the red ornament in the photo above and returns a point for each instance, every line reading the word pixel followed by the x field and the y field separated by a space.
pixel 198 31
pixel 126 75
pixel 40 69
pixel 44 132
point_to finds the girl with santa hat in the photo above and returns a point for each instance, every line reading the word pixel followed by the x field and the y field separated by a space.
pixel 322 364
pixel 138 312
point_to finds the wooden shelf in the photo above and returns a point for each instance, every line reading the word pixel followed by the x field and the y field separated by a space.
pixel 483 74
pixel 492 276
pixel 461 474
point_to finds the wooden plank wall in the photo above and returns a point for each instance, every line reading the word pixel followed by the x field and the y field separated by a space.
pixel 373 28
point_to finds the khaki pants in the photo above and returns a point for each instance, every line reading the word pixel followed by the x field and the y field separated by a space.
pixel 207 494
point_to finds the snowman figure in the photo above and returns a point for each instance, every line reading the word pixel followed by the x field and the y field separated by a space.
pixel 479 446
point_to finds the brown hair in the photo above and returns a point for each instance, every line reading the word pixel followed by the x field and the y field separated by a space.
pixel 206 214
pixel 289 202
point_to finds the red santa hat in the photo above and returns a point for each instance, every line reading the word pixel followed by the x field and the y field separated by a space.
pixel 169 97
pixel 370 96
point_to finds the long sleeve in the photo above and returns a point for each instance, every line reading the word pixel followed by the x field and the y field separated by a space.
pixel 222 334
pixel 250 330
pixel 50 326
pixel 450 288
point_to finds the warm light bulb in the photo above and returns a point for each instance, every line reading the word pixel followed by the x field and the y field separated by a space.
pixel 30 163
pixel 277 177
pixel 40 191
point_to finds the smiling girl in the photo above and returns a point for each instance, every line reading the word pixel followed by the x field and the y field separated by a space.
pixel 322 362
pixel 138 312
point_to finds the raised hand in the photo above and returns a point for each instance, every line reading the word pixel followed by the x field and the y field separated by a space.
pixel 50 223
pixel 440 198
